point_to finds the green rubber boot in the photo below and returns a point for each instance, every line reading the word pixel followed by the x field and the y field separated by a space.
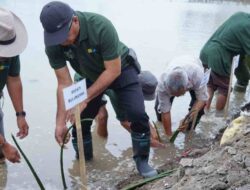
pixel 141 148
pixel 239 87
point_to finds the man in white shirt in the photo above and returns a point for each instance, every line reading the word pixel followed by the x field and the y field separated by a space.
pixel 183 74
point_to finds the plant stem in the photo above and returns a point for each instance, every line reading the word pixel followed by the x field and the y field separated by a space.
pixel 61 158
pixel 147 180
pixel 29 164
pixel 172 139
pixel 61 152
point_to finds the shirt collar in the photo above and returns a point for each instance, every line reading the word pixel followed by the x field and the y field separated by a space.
pixel 83 26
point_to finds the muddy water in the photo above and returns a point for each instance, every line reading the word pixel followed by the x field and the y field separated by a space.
pixel 158 30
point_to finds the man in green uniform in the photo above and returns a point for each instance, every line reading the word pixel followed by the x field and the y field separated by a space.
pixel 13 40
pixel 148 82
pixel 89 42
pixel 230 39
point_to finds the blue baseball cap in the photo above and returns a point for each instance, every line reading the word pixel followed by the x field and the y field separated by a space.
pixel 55 18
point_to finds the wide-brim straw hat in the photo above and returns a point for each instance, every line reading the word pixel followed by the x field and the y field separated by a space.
pixel 13 34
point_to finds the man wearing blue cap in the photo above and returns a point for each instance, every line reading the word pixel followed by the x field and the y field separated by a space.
pixel 89 42
pixel 148 83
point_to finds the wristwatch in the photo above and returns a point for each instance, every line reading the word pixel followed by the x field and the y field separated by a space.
pixel 21 114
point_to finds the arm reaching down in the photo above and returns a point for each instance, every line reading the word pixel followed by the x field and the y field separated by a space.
pixel 15 90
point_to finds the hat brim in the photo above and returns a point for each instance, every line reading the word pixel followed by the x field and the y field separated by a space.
pixel 56 38
pixel 149 97
pixel 20 43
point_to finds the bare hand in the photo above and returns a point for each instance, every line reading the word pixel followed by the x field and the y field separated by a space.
pixel 23 127
pixel 83 106
pixel 70 116
pixel 192 115
pixel 60 132
pixel 11 153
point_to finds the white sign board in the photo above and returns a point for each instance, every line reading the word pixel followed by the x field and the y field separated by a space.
pixel 205 78
pixel 75 94
pixel 236 62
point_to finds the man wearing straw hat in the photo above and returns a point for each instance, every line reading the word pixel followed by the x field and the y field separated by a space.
pixel 90 43
pixel 232 38
pixel 13 40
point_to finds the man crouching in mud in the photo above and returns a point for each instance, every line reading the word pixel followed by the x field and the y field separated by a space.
pixel 90 43
pixel 183 74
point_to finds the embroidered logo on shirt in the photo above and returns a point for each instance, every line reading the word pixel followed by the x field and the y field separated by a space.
pixel 2 67
pixel 91 50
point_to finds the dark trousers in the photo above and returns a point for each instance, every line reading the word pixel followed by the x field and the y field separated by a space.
pixel 90 112
pixel 193 99
pixel 130 99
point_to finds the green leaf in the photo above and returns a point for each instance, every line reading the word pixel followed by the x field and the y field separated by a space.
pixel 174 136
pixel 61 152
pixel 147 180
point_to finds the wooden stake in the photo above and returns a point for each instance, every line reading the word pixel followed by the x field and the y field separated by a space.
pixel 229 92
pixel 80 147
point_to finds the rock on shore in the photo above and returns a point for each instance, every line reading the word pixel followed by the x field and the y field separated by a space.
pixel 222 167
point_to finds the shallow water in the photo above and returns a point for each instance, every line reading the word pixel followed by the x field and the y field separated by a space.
pixel 158 30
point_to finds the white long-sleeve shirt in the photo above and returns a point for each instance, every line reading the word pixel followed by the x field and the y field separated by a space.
pixel 195 72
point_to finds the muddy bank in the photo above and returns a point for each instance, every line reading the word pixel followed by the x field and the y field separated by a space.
pixel 216 167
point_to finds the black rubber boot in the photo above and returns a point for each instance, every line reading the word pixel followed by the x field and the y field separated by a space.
pixel 238 87
pixel 87 145
pixel 141 148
